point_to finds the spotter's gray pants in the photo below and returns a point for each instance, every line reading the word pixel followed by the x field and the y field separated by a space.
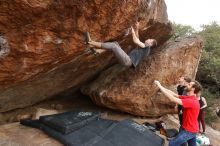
pixel 122 57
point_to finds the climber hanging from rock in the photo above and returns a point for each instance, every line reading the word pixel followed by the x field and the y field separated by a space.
pixel 131 59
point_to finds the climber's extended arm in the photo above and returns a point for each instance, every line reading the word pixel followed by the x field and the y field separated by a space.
pixel 171 95
pixel 136 37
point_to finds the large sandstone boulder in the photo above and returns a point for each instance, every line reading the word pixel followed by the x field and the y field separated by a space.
pixel 42 51
pixel 133 91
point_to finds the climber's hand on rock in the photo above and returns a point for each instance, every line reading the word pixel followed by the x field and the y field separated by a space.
pixel 137 25
pixel 132 30
pixel 157 83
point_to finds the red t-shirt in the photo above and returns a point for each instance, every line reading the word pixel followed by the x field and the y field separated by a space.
pixel 190 113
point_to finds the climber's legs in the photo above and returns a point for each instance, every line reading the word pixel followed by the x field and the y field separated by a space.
pixel 123 58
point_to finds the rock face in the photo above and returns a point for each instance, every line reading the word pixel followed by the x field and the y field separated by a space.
pixel 133 90
pixel 42 51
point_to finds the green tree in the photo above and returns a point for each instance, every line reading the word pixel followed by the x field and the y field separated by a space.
pixel 211 35
pixel 182 30
pixel 209 67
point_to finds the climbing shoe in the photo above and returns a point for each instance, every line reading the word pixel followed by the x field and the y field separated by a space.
pixel 92 51
pixel 87 38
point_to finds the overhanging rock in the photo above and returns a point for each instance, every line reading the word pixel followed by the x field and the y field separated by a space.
pixel 47 54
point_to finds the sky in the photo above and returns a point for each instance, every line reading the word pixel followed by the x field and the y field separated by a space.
pixel 193 12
